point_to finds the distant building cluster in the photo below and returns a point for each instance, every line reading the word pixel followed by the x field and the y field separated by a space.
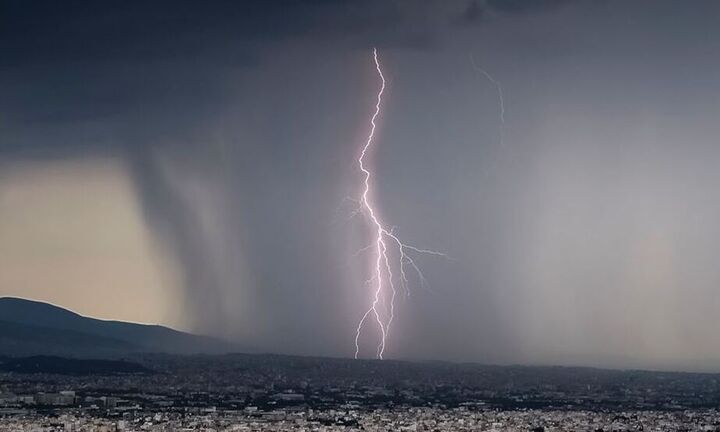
pixel 397 420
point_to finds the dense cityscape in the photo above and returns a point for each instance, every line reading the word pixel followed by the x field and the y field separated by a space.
pixel 279 393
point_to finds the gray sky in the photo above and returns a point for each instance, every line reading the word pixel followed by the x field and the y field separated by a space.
pixel 195 159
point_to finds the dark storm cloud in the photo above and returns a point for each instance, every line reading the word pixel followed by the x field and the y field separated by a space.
pixel 84 60
pixel 515 6
pixel 478 10
pixel 45 32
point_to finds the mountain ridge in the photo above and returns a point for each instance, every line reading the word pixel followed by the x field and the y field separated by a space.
pixel 25 325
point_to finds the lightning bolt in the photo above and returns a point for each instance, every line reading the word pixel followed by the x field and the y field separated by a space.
pixel 382 309
pixel 501 98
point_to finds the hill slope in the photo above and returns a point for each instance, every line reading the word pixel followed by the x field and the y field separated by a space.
pixel 31 327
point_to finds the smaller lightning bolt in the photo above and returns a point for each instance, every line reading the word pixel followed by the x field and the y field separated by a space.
pixel 501 98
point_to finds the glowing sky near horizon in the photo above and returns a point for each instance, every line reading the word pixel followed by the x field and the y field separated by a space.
pixel 71 234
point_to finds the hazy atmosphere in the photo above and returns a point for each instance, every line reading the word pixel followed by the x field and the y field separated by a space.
pixel 163 162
